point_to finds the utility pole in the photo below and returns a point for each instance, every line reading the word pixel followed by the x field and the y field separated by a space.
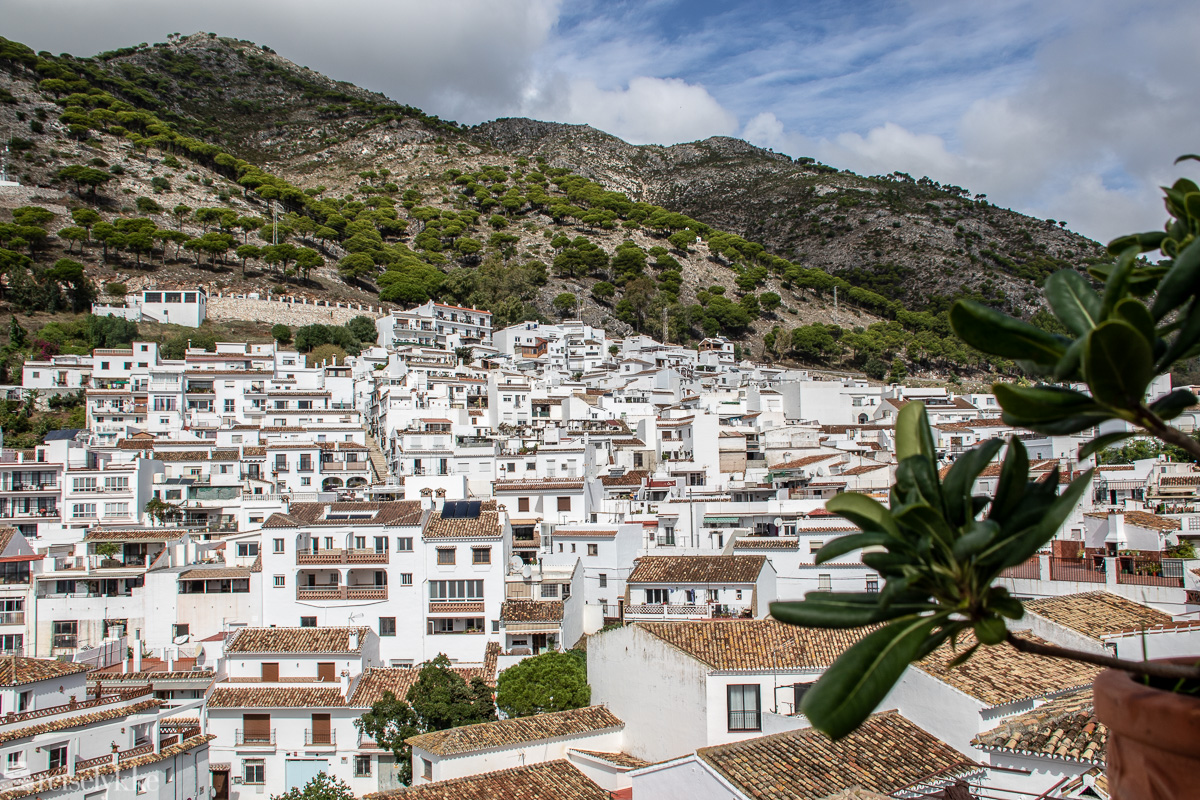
pixel 275 224
pixel 835 304
pixel 666 335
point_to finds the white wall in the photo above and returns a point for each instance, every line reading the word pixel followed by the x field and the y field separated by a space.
pixel 938 708
pixel 445 768
pixel 684 779
pixel 1157 644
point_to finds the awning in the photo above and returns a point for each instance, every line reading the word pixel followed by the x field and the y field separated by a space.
pixel 523 523
pixel 728 520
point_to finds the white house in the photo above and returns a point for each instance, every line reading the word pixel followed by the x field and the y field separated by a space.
pixel 186 306
pixel 699 587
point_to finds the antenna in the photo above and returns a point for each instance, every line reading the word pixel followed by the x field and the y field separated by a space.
pixel 275 225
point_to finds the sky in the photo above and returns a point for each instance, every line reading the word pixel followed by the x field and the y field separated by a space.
pixel 1066 109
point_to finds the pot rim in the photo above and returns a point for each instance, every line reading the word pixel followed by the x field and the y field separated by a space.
pixel 1164 719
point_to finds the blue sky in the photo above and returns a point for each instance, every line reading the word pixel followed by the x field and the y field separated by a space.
pixel 1068 109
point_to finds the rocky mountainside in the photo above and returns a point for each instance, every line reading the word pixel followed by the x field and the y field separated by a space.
pixel 193 143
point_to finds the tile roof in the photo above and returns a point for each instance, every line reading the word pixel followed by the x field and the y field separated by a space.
pixel 18 670
pixel 134 535
pixel 1065 728
pixel 1001 674
pixel 537 484
pixel 485 526
pixel 549 780
pixel 516 730
pixel 6 535
pixel 531 611
pixel 755 644
pixel 885 754
pixel 1095 614
pixel 697 569
pixel 633 477
pixel 796 463
pixel 766 543
pixel 214 574
pixel 295 640
pixel 289 696
pixel 392 512
pixel 77 720
pixel 1153 521
pixel 619 759
pixel 374 682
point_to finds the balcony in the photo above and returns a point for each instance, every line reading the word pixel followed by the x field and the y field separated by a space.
pixel 19 486
pixel 12 617
pixel 669 611
pixel 342 593
pixel 456 607
pixel 320 738
pixel 254 739
pixel 343 557
pixel 65 641
pixel 344 466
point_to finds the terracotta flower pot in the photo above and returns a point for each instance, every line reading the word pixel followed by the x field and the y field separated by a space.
pixel 1153 747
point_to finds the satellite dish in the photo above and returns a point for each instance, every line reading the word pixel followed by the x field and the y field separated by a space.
pixel 777 522
pixel 526 571
pixel 182 639
pixel 514 565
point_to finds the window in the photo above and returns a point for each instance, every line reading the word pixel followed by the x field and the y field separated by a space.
pixel 247 549
pixel 603 580
pixel 657 596
pixel 387 626
pixel 280 462
pixel 306 481
pixel 549 590
pixel 406 579
pixel 23 701
pixel 84 484
pixel 116 509
pixel 254 771
pixel 593 549
pixel 481 555
pixel 278 545
pixel 116 483
pixel 57 757
pixel 743 707
pixel 65 632
pixel 564 504
pixel 279 581
pixel 824 583
pixel 140 786
pixel 798 691
pixel 426 769
pixel 362 766
pixel 522 504
pixel 456 590
pixel 814 545
pixel 404 544
pixel 873 584
pixel 229 405
pixel 445 555
pixel 308 622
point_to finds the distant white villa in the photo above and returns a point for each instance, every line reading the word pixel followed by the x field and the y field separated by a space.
pixel 178 306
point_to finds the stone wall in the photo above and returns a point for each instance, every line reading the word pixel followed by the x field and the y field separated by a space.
pixel 286 309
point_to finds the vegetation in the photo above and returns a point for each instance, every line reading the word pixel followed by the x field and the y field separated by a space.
pixel 322 787
pixel 551 681
pixel 939 557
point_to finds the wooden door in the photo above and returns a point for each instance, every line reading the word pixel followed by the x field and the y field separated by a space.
pixel 270 671
pixel 256 727
pixel 220 785
pixel 325 671
pixel 321 729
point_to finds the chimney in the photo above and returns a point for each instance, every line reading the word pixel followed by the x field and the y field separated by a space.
pixel 169 654
pixel 353 640
pixel 345 683
pixel 137 651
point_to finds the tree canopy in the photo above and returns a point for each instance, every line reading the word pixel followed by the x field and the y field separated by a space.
pixel 549 682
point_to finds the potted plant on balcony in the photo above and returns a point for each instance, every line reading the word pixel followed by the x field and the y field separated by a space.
pixel 941 548
pixel 108 554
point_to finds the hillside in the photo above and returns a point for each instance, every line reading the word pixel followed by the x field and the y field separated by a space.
pixel 185 145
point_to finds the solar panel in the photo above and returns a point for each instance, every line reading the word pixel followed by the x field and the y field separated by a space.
pixel 450 510
pixel 469 509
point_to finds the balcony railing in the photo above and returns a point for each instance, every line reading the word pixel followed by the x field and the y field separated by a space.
pixel 65 641
pixel 1031 569
pixel 12 617
pixel 318 738
pixel 744 721
pixel 1134 579
pixel 254 739
pixel 1066 569
pixel 23 486
pixel 342 593
pixel 343 557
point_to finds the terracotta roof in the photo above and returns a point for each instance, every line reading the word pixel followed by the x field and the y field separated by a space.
pixel 549 780
pixel 6 535
pixel 633 477
pixel 537 484
pixel 531 611
pixel 374 682
pixel 214 574
pixel 517 730
pixel 78 720
pixel 697 569
pixel 1065 728
pixel 290 696
pixel 864 469
pixel 296 640
pixel 1001 674
pixel 796 463
pixel 393 512
pixel 485 526
pixel 18 670
pixel 1179 480
pixel 755 644
pixel 1153 521
pixel 1095 614
pixel 766 543
pixel 620 759
pixel 134 535
pixel 886 753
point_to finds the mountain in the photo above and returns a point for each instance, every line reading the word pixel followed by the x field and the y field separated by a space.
pixel 511 215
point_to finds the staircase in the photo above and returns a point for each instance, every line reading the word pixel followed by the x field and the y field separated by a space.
pixel 378 462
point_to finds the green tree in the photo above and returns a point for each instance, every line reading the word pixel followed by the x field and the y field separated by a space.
pixel 281 333
pixel 325 354
pixel 769 301
pixel 355 266
pixel 82 177
pixel 363 328
pixel 247 251
pixel 72 234
pixel 389 723
pixel 85 218
pixel 549 682
pixel 603 291
pixel 322 787
pixel 442 699
pixel 565 303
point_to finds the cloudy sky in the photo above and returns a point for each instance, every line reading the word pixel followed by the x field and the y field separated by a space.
pixel 1068 109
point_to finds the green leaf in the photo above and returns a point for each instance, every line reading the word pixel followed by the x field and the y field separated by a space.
pixel 913 437
pixel 1068 366
pixel 991 331
pixel 843 610
pixel 852 541
pixel 865 512
pixel 1136 314
pixel 1014 475
pixel 851 689
pixel 1145 242
pixel 1043 403
pixel 1019 547
pixel 959 484
pixel 1073 301
pixel 1187 157
pixel 1101 442
pixel 1173 404
pixel 990 630
pixel 1119 364
pixel 926 521
pixel 920 475
pixel 1181 282
pixel 980 535
pixel 1185 339
pixel 1117 285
